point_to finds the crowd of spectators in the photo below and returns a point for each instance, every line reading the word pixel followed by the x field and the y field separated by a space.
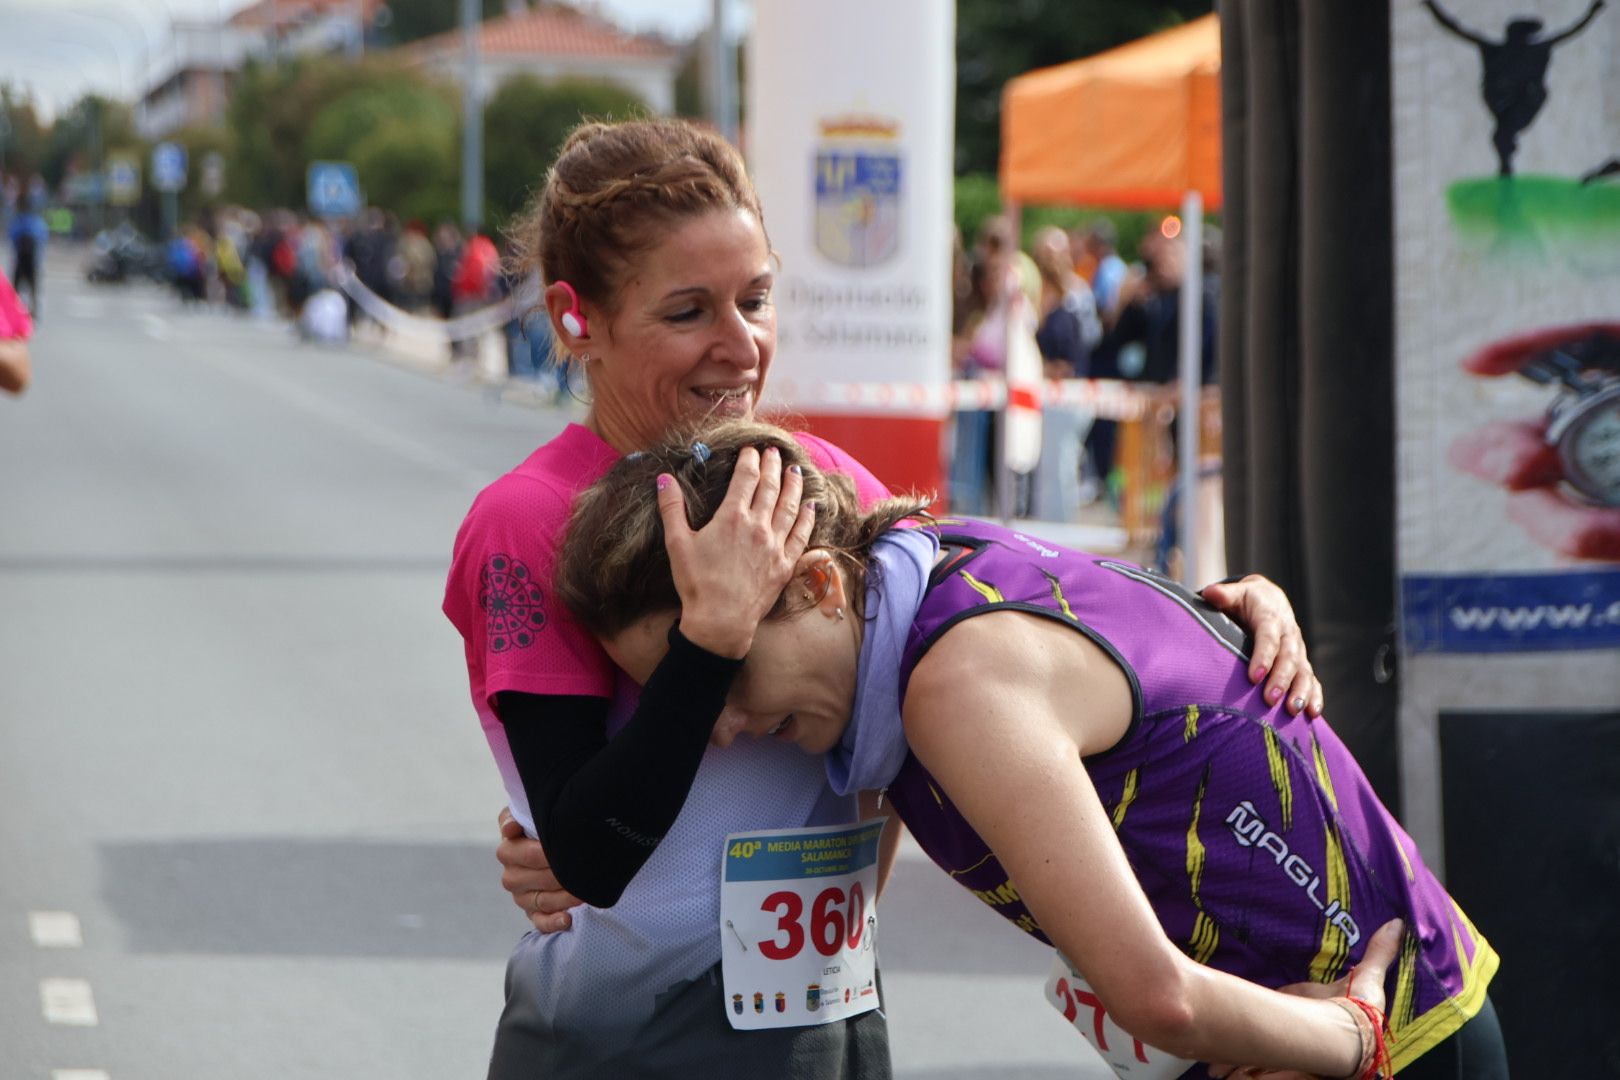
pixel 1092 315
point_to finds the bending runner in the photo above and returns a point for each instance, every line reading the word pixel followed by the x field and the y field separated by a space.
pixel 1072 738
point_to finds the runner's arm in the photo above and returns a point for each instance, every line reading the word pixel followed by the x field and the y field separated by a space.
pixel 602 805
pixel 1025 791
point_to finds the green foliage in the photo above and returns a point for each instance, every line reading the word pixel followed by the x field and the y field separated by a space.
pixel 691 95
pixel 977 198
pixel 411 170
pixel 525 123
pixel 320 108
pixel 999 39
pixel 414 19
pixel 402 137
pixel 22 145
pixel 81 136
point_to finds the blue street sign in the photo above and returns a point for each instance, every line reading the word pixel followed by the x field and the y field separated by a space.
pixel 334 189
pixel 169 166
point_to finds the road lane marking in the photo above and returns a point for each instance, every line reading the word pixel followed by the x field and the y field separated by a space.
pixel 157 327
pixel 68 1001
pixel 79 1074
pixel 55 929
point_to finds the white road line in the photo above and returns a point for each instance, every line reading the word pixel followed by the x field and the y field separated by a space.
pixel 68 1001
pixel 157 327
pixel 79 1074
pixel 55 929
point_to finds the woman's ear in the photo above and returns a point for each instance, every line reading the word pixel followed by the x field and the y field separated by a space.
pixel 569 321
pixel 821 582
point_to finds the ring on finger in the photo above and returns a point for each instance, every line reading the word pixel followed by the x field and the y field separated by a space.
pixel 534 909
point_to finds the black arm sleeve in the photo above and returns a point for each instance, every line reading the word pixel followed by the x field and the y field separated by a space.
pixel 601 806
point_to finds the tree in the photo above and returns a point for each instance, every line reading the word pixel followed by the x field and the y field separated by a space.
pixel 411 20
pixel 525 123
pixel 411 170
pixel 999 39
pixel 22 136
pixel 82 135
pixel 275 111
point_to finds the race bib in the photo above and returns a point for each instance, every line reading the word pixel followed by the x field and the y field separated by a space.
pixel 798 924
pixel 1072 996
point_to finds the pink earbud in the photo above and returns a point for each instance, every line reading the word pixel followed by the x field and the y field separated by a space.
pixel 573 319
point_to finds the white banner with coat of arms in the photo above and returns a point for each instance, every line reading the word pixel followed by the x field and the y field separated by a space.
pixel 850 143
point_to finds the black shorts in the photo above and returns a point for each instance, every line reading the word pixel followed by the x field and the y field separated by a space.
pixel 689 1036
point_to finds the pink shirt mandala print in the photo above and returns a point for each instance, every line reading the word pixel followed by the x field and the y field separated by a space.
pixel 498 594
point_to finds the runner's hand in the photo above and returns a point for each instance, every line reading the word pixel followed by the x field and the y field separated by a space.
pixel 1260 606
pixel 730 573
pixel 1364 981
pixel 527 875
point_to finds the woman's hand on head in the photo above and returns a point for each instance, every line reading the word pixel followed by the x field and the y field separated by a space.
pixel 730 572
pixel 526 874
pixel 1260 606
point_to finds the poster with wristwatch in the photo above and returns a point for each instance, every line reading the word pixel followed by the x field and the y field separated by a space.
pixel 1507 286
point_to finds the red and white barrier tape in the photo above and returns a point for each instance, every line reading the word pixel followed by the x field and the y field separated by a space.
pixel 1108 399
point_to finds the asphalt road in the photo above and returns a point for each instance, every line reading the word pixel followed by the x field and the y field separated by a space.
pixel 236 752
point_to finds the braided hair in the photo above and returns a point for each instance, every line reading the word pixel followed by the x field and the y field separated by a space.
pixel 615 190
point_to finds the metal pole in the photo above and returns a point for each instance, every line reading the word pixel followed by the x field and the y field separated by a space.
pixel 357 46
pixel 1192 372
pixel 472 122
pixel 722 74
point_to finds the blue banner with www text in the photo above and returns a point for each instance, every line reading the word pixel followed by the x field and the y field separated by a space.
pixel 1511 612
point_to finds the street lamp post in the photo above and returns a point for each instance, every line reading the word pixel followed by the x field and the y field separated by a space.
pixel 472 121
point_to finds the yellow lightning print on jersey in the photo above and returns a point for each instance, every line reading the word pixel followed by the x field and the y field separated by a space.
pixel 1280 779
pixel 1400 1010
pixel 1328 964
pixel 1323 777
pixel 1126 798
pixel 989 592
pixel 1205 934
pixel 1057 594
pixel 1191 731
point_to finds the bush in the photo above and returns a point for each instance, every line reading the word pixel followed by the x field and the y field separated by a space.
pixel 525 123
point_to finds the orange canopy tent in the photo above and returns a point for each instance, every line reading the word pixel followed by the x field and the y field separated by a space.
pixel 1136 127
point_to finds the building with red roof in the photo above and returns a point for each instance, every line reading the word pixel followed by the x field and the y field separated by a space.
pixel 556 41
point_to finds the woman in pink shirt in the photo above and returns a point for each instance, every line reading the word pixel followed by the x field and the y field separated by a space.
pixel 652 242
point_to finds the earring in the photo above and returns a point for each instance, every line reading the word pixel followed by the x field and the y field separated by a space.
pixel 584 357
pixel 840 614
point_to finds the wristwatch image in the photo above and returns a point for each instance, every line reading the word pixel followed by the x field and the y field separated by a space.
pixel 1583 422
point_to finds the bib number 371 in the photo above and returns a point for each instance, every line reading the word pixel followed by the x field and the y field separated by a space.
pixel 1129 1056
pixel 797 925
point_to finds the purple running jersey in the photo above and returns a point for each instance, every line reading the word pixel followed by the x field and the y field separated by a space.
pixel 1255 834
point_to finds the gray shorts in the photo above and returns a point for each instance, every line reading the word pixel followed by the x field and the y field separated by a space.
pixel 688 1037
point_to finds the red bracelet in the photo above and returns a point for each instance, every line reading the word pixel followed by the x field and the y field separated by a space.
pixel 1379 1066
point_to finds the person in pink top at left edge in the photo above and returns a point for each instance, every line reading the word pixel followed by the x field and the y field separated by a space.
pixel 15 330
pixel 659 275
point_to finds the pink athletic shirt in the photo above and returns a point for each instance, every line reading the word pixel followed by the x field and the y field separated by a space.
pixel 499 595
pixel 14 320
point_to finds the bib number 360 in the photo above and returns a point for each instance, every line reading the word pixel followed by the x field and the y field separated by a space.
pixel 798 925
pixel 830 915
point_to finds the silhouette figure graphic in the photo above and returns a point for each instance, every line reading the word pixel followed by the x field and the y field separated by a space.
pixel 1515 73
